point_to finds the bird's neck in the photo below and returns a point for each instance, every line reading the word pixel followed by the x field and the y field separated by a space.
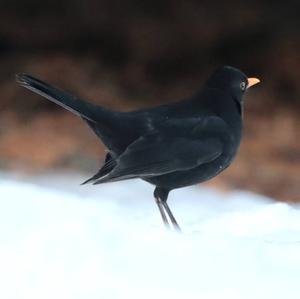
pixel 221 103
pixel 232 114
pixel 229 109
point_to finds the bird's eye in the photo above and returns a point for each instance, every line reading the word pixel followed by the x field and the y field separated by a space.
pixel 243 86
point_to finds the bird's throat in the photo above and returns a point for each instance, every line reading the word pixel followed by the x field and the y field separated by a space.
pixel 239 106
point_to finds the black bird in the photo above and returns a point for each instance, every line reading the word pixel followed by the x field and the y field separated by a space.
pixel 170 146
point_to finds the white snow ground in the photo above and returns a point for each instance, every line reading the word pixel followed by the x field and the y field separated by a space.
pixel 59 240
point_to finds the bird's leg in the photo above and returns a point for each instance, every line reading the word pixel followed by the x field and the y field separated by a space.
pixel 161 196
pixel 162 211
pixel 171 216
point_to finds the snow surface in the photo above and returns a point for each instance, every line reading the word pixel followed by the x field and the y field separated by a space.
pixel 59 240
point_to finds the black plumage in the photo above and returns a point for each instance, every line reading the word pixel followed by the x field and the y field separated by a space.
pixel 169 146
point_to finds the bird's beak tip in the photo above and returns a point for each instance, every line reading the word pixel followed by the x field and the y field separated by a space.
pixel 252 81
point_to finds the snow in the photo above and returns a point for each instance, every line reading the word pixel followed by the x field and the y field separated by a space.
pixel 60 240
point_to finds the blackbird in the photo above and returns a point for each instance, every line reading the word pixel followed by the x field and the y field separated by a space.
pixel 170 146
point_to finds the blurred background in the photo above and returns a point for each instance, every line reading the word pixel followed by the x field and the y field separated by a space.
pixel 132 54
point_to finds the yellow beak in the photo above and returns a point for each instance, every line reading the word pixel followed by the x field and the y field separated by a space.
pixel 252 81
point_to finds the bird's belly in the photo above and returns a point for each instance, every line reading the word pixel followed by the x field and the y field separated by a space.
pixel 201 173
pixel 204 172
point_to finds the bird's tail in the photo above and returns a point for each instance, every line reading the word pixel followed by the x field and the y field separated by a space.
pixel 79 107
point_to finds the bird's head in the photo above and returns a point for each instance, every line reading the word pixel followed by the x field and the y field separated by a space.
pixel 232 80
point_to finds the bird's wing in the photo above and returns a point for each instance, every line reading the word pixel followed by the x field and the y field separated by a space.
pixel 158 154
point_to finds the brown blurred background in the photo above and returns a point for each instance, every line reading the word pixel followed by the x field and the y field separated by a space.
pixel 131 54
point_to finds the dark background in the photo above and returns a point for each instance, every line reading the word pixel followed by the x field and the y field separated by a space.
pixel 131 54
